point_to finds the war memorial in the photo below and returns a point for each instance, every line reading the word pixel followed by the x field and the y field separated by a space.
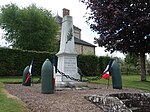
pixel 62 91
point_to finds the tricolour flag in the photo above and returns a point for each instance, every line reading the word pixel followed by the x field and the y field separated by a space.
pixel 108 66
pixel 54 62
pixel 106 76
pixel 28 78
pixel 30 73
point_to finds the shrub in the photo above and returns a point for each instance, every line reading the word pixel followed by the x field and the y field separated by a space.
pixel 88 64
pixel 103 62
pixel 13 62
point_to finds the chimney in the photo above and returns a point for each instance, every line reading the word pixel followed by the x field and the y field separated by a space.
pixel 66 12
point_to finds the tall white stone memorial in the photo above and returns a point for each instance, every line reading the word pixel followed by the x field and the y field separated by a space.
pixel 67 56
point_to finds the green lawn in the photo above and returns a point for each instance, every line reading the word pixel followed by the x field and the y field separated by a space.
pixel 16 79
pixel 130 82
pixel 10 104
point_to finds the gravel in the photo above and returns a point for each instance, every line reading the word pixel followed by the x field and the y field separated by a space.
pixel 66 100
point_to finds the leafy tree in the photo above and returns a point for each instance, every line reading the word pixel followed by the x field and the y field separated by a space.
pixel 132 59
pixel 123 25
pixel 131 63
pixel 29 28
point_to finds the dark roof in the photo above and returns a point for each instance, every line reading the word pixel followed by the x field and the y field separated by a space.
pixel 82 42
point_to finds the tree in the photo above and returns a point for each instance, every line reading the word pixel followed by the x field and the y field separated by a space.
pixel 29 28
pixel 132 59
pixel 122 25
pixel 131 63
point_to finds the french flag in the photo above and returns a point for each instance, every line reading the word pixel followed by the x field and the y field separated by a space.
pixel 30 73
pixel 106 74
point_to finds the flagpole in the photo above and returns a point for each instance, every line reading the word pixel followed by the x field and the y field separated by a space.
pixel 31 80
pixel 108 84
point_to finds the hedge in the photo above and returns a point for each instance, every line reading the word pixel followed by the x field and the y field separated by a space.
pixel 13 62
pixel 88 64
pixel 103 61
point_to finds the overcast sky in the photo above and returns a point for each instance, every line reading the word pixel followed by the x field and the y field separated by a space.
pixel 77 11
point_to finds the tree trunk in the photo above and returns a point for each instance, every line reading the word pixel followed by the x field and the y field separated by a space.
pixel 143 68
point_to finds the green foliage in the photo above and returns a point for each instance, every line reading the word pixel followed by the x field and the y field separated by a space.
pixel 29 28
pixel 131 64
pixel 103 61
pixel 13 61
pixel 92 65
pixel 129 70
pixel 131 59
pixel 88 64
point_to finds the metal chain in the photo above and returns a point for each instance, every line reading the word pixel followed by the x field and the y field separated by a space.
pixel 96 78
pixel 67 76
pixel 78 80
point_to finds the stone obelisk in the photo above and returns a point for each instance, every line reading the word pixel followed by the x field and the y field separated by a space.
pixel 67 56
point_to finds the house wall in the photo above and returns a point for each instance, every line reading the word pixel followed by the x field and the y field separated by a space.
pixel 77 32
pixel 82 49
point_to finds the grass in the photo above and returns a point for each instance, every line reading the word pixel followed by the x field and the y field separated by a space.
pixel 15 79
pixel 130 81
pixel 134 82
pixel 9 103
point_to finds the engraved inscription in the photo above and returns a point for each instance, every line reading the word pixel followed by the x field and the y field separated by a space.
pixel 70 65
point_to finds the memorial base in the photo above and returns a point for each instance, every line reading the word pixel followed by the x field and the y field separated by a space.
pixel 73 84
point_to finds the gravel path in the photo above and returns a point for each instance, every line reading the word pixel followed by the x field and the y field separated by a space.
pixel 70 100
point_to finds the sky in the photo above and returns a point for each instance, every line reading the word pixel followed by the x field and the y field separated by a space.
pixel 77 11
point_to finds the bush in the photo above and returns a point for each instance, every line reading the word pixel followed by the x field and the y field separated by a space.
pixel 103 62
pixel 88 64
pixel 92 65
pixel 13 62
